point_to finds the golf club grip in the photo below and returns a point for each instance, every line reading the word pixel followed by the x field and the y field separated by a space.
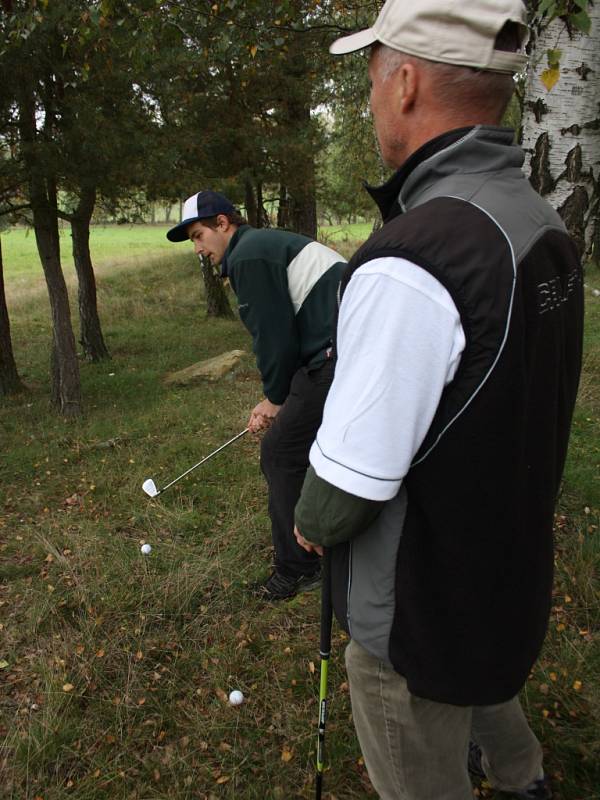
pixel 326 605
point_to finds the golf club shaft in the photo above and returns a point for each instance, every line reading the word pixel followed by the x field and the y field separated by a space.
pixel 325 649
pixel 210 455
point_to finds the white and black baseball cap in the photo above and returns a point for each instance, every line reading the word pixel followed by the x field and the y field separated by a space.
pixel 200 206
pixel 460 32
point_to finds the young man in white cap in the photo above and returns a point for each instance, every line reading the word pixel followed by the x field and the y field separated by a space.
pixel 286 285
pixel 459 341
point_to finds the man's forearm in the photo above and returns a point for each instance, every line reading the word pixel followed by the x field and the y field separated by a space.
pixel 327 515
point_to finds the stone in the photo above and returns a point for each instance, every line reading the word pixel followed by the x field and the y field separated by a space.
pixel 210 369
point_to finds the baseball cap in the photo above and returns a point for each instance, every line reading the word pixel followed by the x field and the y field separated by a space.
pixel 200 206
pixel 461 32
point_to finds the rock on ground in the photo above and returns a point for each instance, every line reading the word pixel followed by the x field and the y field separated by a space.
pixel 210 369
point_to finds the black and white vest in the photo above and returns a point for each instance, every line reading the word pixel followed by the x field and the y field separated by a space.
pixel 452 584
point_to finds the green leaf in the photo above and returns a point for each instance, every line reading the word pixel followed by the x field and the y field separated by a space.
pixel 547 7
pixel 554 58
pixel 581 21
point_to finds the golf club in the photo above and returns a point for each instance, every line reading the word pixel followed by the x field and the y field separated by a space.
pixel 325 649
pixel 150 487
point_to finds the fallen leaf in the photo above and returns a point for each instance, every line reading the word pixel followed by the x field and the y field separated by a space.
pixel 311 667
pixel 68 687
pixel 223 779
pixel 286 755
pixel 3 664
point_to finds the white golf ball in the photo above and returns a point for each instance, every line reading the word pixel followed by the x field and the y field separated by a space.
pixel 146 549
pixel 236 698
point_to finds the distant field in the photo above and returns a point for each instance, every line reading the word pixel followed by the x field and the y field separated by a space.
pixel 107 243
pixel 121 243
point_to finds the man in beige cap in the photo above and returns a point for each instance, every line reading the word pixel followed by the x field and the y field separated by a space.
pixel 436 468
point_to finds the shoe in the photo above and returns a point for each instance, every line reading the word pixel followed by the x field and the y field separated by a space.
pixel 537 790
pixel 282 587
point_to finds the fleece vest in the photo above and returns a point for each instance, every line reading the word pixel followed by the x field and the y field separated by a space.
pixel 452 584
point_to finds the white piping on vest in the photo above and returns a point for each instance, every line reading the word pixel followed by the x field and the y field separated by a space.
pixel 508 319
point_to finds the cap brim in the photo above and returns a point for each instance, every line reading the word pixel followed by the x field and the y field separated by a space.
pixel 356 41
pixel 179 232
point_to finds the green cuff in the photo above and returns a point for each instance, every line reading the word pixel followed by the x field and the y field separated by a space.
pixel 328 516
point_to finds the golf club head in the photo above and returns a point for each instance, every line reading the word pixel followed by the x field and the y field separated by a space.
pixel 150 488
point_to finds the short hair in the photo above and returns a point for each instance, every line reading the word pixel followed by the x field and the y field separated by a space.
pixel 235 218
pixel 462 88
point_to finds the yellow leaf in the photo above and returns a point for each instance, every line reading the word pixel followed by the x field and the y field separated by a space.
pixel 100 653
pixel 253 50
pixel 68 687
pixel 311 667
pixel 577 685
pixel 223 779
pixel 286 755
pixel 139 655
pixel 549 77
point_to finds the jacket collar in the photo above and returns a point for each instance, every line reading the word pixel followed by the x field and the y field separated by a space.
pixel 230 247
pixel 463 150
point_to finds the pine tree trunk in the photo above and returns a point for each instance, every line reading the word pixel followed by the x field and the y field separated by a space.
pixel 300 175
pixel 91 338
pixel 217 302
pixel 64 368
pixel 561 128
pixel 250 203
pixel 10 383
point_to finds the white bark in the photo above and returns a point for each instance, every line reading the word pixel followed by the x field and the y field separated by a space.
pixel 561 127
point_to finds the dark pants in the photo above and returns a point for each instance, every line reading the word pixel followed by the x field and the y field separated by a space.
pixel 284 461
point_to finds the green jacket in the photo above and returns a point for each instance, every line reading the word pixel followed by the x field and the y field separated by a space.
pixel 286 285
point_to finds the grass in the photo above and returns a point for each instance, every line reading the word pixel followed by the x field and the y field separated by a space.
pixel 115 666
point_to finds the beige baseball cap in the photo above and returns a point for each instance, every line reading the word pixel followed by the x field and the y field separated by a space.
pixel 461 32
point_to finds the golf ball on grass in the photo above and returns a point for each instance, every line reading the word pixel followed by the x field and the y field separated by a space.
pixel 146 549
pixel 236 698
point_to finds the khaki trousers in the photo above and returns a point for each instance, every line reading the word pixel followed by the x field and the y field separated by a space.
pixel 416 749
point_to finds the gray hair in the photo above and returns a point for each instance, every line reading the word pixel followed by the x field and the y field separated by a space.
pixel 459 89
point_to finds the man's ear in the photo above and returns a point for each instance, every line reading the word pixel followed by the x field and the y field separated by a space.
pixel 222 222
pixel 408 84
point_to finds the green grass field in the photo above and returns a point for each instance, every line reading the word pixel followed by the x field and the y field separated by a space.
pixel 115 666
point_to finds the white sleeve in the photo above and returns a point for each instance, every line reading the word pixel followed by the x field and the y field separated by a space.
pixel 399 342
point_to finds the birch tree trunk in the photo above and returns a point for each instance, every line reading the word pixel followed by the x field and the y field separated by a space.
pixel 561 126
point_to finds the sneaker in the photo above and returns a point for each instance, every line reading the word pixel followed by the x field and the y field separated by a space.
pixel 537 790
pixel 281 587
